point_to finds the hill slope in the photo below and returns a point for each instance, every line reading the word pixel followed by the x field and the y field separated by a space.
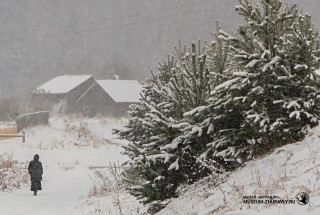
pixel 284 174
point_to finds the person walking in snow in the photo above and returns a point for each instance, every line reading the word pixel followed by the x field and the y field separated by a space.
pixel 35 170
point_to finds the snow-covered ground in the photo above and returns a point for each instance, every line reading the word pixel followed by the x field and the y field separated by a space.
pixel 70 147
pixel 67 148
pixel 285 173
pixel 6 124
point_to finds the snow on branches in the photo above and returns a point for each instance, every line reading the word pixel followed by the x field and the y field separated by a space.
pixel 228 101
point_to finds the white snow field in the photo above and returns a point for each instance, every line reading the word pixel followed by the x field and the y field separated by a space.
pixel 66 150
pixel 69 146
pixel 284 173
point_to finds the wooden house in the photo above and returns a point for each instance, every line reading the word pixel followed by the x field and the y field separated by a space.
pixel 83 94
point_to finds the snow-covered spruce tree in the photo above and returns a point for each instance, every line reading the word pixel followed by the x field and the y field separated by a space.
pixel 165 139
pixel 147 130
pixel 272 91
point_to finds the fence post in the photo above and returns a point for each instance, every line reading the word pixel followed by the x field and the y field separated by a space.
pixel 24 136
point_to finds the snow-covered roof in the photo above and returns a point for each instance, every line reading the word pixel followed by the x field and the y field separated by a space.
pixel 62 84
pixel 122 90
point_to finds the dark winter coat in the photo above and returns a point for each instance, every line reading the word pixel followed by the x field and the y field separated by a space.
pixel 35 170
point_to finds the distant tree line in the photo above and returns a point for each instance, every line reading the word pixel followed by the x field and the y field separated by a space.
pixel 9 109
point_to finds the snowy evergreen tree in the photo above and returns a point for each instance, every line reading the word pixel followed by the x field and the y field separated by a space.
pixel 272 93
pixel 164 131
pixel 148 129
pixel 229 101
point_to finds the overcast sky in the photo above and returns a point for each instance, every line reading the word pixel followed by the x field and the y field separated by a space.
pixel 40 39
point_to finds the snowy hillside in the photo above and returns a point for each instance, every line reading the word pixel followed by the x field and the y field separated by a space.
pixel 285 173
pixel 69 150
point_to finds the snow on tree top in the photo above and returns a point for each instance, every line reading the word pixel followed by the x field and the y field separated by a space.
pixel 122 90
pixel 62 84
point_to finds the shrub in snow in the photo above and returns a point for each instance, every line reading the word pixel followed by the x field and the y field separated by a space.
pixel 108 194
pixel 12 176
pixel 109 183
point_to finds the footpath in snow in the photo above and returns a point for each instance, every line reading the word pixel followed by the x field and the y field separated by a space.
pixel 67 150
